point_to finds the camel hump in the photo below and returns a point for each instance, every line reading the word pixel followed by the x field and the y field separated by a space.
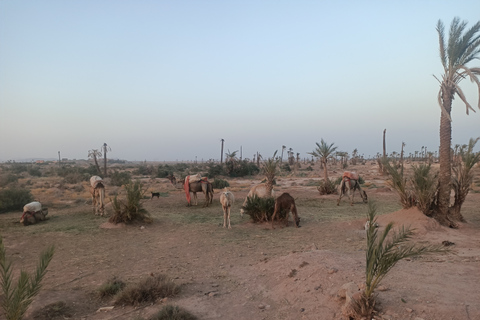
pixel 32 207
pixel 194 178
pixel 350 175
pixel 95 180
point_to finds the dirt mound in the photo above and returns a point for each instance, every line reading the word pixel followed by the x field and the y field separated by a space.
pixel 412 218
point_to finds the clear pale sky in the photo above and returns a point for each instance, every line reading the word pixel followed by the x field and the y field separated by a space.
pixel 167 80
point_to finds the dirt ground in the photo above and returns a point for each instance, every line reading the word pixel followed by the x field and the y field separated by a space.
pixel 250 271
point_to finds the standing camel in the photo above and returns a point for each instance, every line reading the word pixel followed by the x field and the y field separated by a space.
pixel 226 199
pixel 348 186
pixel 197 186
pixel 97 190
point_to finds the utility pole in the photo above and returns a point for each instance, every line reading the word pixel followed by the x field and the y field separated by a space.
pixel 221 152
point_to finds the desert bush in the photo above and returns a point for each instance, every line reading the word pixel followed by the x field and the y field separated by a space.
pixel 78 188
pixel 74 178
pixel 34 171
pixel 17 298
pixel 120 178
pixel 259 209
pixel 6 179
pixel 286 167
pixel 111 287
pixel 164 171
pixel 19 168
pixel 56 310
pixel 131 209
pixel 14 198
pixel 170 312
pixel 220 184
pixel 215 170
pixel 148 290
pixel 383 253
pixel 144 170
pixel 327 186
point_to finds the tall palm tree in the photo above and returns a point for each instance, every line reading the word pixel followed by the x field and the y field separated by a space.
pixel 462 48
pixel 323 152
pixel 283 148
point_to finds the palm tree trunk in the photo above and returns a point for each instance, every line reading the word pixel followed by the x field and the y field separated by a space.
pixel 325 172
pixel 445 174
pixel 96 164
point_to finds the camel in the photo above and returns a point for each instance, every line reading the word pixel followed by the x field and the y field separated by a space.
pixel 286 202
pixel 32 213
pixel 97 190
pixel 226 199
pixel 261 191
pixel 197 186
pixel 348 185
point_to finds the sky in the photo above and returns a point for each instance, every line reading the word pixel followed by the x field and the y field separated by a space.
pixel 167 80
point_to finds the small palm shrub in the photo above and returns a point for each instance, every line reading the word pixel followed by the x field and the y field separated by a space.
pixel 131 209
pixel 17 298
pixel 34 171
pixel 170 312
pixel 328 187
pixel 220 184
pixel 14 198
pixel 111 287
pixel 259 208
pixel 148 290
pixel 424 185
pixel 383 253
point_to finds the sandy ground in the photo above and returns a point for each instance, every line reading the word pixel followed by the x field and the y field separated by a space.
pixel 250 271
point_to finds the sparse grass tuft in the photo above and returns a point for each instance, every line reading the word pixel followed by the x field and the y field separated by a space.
pixel 56 310
pixel 170 312
pixel 111 287
pixel 148 290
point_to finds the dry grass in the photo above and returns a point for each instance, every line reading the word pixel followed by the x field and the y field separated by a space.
pixel 148 290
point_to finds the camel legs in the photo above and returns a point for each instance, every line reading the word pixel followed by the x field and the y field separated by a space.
pixel 226 217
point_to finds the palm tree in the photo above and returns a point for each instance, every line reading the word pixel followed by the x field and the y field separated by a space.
pixel 94 154
pixel 269 168
pixel 283 148
pixel 462 48
pixel 323 152
pixel 231 161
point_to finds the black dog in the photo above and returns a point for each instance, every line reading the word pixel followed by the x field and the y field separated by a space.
pixel 156 194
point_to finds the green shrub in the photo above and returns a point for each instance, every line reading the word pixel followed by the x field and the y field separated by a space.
pixel 148 291
pixel 220 184
pixel 120 178
pixel 259 209
pixel 14 199
pixel 170 312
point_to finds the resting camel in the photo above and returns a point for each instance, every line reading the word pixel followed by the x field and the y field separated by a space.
pixel 32 213
pixel 226 199
pixel 261 191
pixel 287 203
pixel 348 185
pixel 97 190
pixel 194 187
